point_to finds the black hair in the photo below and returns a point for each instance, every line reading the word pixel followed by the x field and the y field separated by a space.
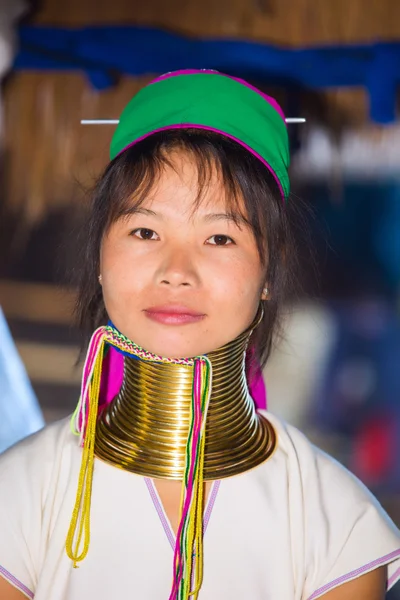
pixel 131 175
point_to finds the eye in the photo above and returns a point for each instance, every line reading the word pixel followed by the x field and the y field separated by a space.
pixel 145 234
pixel 220 240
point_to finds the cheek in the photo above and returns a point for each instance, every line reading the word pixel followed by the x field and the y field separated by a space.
pixel 123 276
pixel 239 283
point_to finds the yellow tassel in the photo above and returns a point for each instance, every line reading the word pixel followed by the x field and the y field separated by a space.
pixel 196 531
pixel 81 511
pixel 198 580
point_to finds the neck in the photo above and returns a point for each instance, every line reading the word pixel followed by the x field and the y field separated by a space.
pixel 145 429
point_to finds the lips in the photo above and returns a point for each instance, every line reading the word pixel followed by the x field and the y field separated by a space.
pixel 173 315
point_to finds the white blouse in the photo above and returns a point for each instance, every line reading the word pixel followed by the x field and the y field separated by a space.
pixel 293 528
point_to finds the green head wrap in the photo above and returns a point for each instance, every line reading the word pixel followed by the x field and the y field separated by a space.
pixel 215 102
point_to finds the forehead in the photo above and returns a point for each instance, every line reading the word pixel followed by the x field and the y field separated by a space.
pixel 185 186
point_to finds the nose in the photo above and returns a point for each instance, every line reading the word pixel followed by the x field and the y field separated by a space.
pixel 178 269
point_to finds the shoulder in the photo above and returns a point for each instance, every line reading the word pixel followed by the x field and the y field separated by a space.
pixel 344 529
pixel 298 453
pixel 321 480
pixel 50 436
pixel 290 441
pixel 37 455
pixel 33 474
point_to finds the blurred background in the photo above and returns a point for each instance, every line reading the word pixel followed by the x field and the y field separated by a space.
pixel 336 372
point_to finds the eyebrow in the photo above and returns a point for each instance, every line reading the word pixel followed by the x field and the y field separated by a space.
pixel 138 210
pixel 231 217
pixel 235 218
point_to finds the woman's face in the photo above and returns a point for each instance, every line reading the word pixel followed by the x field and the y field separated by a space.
pixel 176 280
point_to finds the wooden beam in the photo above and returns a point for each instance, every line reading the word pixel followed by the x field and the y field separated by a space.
pixel 36 302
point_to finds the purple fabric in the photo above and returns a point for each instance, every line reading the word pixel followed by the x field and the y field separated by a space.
pixel 258 390
pixel 113 372
pixel 112 376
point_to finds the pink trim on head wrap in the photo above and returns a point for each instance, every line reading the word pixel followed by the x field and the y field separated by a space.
pixel 269 99
pixel 207 128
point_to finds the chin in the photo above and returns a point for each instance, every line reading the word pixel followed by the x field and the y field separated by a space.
pixel 174 344
pixel 178 350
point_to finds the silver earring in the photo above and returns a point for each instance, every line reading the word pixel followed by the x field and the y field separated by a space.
pixel 100 279
pixel 266 292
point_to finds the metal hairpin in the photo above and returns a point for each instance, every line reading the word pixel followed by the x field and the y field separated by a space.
pixel 116 121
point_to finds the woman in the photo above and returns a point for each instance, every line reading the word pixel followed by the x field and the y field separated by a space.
pixel 188 259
